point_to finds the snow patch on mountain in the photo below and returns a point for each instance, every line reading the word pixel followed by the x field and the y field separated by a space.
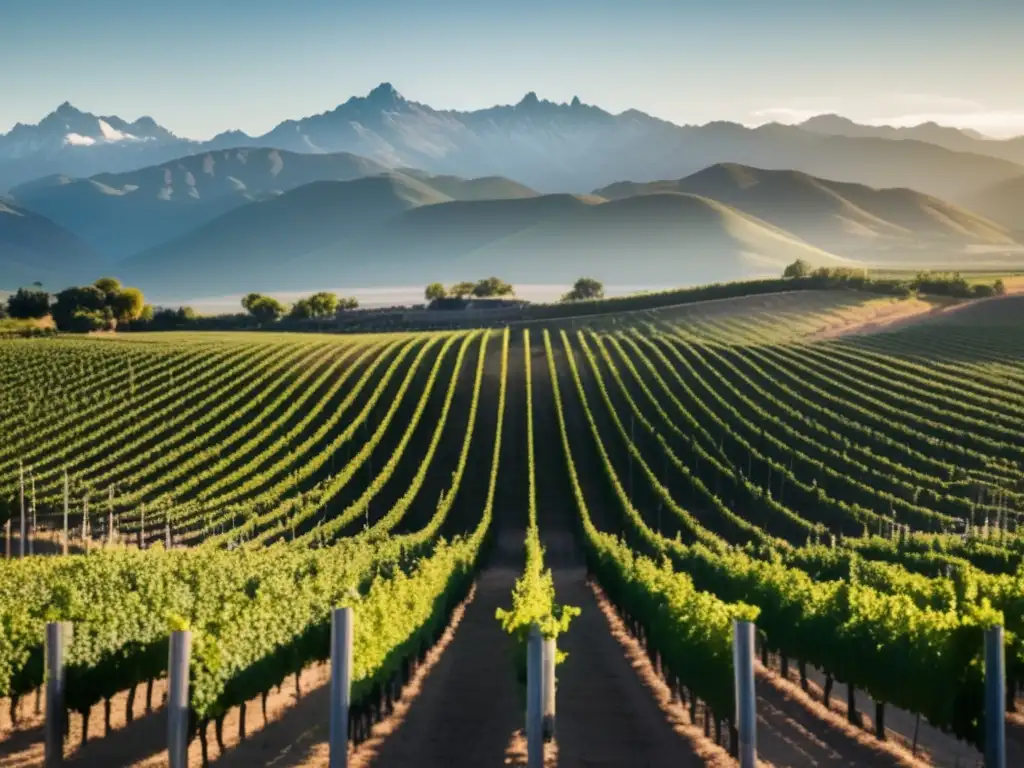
pixel 78 140
pixel 109 133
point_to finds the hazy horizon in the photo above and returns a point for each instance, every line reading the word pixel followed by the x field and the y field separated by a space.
pixel 199 69
pixel 387 296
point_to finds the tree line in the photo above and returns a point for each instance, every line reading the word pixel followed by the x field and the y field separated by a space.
pixel 320 306
pixel 488 287
pixel 101 306
pixel 494 287
pixel 934 283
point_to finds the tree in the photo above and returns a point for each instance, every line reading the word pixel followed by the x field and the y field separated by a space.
pixel 111 286
pixel 317 306
pixel 87 299
pixel 347 303
pixel 798 268
pixel 461 290
pixel 492 286
pixel 127 304
pixel 250 300
pixel 301 310
pixel 146 315
pixel 585 288
pixel 434 292
pixel 28 304
pixel 165 318
pixel 265 309
pixel 999 287
pixel 323 304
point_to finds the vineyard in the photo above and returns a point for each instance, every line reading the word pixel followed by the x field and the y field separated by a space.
pixel 631 482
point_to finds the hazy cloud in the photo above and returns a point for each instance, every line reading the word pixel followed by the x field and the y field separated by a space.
pixel 999 124
pixel 786 115
pixel 902 110
pixel 930 102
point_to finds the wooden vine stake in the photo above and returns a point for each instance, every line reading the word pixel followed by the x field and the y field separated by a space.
pixel 746 707
pixel 177 699
pixel 534 699
pixel 995 699
pixel 32 529
pixel 64 542
pixel 549 658
pixel 21 492
pixel 342 626
pixel 58 638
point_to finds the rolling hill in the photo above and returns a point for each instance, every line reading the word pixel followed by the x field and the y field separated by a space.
pixel 124 213
pixel 252 246
pixel 1003 203
pixel 657 239
pixel 33 248
pixel 395 230
pixel 956 139
pixel 851 219
pixel 484 188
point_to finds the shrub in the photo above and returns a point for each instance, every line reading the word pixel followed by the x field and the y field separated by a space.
pixel 85 320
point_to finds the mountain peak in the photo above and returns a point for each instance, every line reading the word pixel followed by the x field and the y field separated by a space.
pixel 529 100
pixel 575 101
pixel 67 109
pixel 829 119
pixel 385 92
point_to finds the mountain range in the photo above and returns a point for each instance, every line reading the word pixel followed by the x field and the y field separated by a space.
pixel 725 222
pixel 852 219
pixel 955 139
pixel 552 147
pixel 383 190
pixel 121 214
pixel 395 229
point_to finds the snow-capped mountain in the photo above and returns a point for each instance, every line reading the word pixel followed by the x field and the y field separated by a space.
pixel 549 146
pixel 67 126
pixel 76 143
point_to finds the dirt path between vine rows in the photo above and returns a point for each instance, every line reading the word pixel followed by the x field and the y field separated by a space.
pixel 469 706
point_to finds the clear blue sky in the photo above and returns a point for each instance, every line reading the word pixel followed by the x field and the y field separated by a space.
pixel 202 66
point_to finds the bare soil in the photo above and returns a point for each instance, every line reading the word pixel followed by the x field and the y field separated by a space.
pixel 610 709
pixel 469 705
pixel 795 730
pixel 933 746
